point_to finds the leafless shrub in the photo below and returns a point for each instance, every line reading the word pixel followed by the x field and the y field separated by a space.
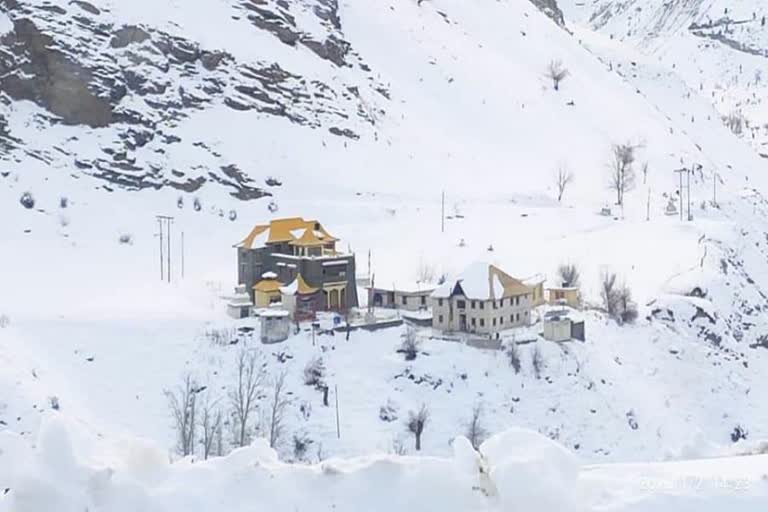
pixel 426 273
pixel 557 73
pixel 278 404
pixel 125 239
pixel 245 394
pixel 314 372
pixel 388 412
pixel 301 443
pixel 627 307
pixel 183 406
pixel 220 337
pixel 410 345
pixel 63 202
pixel 569 275
pixel 537 362
pixel 5 321
pixel 563 177
pixel 735 122
pixel 513 353
pixel 417 420
pixel 476 432
pixel 622 172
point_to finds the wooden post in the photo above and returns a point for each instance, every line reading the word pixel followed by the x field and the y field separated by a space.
pixel 182 255
pixel 338 427
pixel 160 225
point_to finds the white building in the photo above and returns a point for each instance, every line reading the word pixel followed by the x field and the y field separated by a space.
pixel 483 300
pixel 407 295
pixel 239 305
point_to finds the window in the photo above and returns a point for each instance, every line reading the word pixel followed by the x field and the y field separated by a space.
pixel 482 322
pixel 494 322
pixel 461 304
pixel 474 322
pixel 517 300
pixel 440 318
pixel 494 307
pixel 559 294
pixel 482 305
pixel 423 300
pixel 517 317
pixel 440 302
pixel 501 320
pixel 473 304
pixel 405 300
pixel 512 318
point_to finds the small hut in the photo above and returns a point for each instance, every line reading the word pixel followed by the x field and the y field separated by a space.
pixel 275 325
pixel 267 291
pixel 239 305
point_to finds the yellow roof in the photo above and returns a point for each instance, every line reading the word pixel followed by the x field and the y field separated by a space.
pixel 267 286
pixel 304 288
pixel 511 285
pixel 294 230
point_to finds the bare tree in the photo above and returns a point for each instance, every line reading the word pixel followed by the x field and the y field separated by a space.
pixel 211 420
pixel 244 396
pixel 277 407
pixel 410 344
pixel 416 423
pixel 627 308
pixel 569 275
pixel 609 293
pixel 476 432
pixel 183 405
pixel 513 353
pixel 617 299
pixel 557 73
pixel 563 177
pixel 537 362
pixel 622 175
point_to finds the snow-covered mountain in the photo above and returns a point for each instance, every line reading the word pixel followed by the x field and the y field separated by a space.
pixel 361 113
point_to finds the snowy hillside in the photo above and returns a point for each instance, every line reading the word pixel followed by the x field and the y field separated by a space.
pixel 718 47
pixel 360 113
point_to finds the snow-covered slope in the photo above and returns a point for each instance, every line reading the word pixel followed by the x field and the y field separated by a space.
pixel 360 114
pixel 718 47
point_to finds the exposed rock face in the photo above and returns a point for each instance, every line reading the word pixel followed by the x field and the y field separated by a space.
pixel 86 68
pixel 551 9
pixel 37 72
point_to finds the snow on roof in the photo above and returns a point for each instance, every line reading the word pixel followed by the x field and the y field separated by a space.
pixel 269 275
pixel 482 281
pixel 273 313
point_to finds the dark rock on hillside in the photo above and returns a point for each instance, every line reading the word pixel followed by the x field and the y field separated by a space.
pixel 551 9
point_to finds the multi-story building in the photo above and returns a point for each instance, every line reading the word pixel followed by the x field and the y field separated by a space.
pixel 482 300
pixel 286 251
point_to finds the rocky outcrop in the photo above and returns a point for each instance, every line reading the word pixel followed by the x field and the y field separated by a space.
pixel 551 9
pixel 34 70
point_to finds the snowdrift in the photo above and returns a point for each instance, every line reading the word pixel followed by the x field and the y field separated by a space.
pixel 515 470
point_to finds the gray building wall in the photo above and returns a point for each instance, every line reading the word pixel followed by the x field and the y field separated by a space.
pixel 253 263
pixel 481 316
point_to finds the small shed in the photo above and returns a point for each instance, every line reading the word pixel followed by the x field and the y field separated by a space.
pixel 564 295
pixel 239 305
pixel 275 325
pixel 560 325
pixel 267 291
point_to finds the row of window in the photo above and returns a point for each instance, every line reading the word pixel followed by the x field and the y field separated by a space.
pixel 422 300
pixel 479 304
pixel 513 318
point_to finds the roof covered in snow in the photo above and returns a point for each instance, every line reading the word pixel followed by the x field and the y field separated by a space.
pixel 483 281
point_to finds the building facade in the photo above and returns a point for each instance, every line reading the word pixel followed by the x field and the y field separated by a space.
pixel 409 299
pixel 288 249
pixel 483 300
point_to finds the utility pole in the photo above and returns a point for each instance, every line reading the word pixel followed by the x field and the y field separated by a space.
pixel 182 255
pixel 680 189
pixel 160 234
pixel 167 220
pixel 715 177
pixel 442 213
pixel 690 171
